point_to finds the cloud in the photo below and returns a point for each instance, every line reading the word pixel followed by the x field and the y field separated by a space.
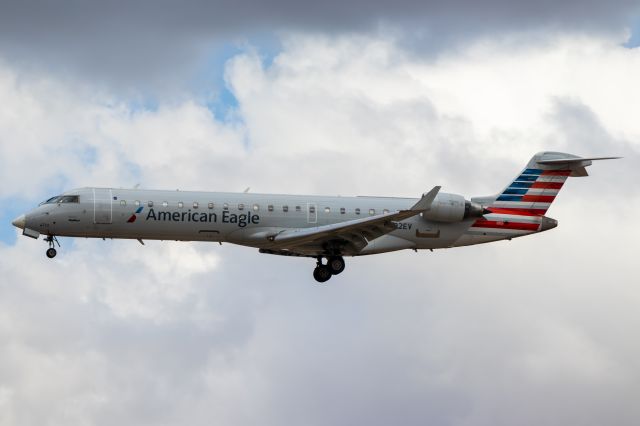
pixel 158 45
pixel 535 330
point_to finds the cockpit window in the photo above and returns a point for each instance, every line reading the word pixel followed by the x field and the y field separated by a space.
pixel 69 199
pixel 50 200
pixel 62 199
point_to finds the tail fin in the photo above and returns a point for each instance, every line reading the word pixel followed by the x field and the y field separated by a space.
pixel 536 187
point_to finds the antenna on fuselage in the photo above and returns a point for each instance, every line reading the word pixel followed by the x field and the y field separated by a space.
pixel 247 190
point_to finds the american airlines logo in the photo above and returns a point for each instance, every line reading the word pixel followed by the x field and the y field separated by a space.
pixel 133 216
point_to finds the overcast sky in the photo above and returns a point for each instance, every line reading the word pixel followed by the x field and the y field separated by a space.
pixel 351 98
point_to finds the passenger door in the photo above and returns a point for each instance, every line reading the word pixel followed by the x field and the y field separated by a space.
pixel 102 206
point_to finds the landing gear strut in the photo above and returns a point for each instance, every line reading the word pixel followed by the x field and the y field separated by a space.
pixel 322 273
pixel 51 251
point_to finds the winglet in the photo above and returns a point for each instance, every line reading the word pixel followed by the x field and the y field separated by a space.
pixel 426 200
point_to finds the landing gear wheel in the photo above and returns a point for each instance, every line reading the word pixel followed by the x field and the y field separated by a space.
pixel 322 273
pixel 52 241
pixel 336 264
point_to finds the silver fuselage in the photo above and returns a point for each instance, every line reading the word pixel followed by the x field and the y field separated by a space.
pixel 245 218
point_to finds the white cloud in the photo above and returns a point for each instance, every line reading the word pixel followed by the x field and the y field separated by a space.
pixel 537 330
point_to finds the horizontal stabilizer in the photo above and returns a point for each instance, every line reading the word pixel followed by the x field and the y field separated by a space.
pixel 557 161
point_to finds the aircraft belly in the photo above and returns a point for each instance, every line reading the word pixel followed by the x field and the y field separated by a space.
pixel 470 239
pixel 426 234
pixel 387 243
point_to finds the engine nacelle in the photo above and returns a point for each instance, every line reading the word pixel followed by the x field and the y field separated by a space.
pixel 452 208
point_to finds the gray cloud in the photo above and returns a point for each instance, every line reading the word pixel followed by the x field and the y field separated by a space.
pixel 160 43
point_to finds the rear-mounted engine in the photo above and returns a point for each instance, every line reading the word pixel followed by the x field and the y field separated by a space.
pixel 452 208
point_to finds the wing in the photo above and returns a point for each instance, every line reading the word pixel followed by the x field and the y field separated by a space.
pixel 357 232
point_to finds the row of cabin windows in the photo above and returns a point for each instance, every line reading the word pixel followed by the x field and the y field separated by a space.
pixel 255 207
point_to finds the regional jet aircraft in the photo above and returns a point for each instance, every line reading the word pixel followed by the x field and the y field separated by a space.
pixel 319 227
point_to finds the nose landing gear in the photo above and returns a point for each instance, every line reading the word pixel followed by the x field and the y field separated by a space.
pixel 334 266
pixel 51 251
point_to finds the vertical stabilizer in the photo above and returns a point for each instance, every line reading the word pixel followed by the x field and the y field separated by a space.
pixel 537 186
pixel 520 208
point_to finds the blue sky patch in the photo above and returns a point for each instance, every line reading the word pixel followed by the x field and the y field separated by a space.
pixel 209 84
pixel 634 40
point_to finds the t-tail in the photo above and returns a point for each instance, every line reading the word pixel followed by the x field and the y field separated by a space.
pixel 521 207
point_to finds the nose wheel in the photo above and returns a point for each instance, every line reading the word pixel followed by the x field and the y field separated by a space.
pixel 51 251
pixel 334 266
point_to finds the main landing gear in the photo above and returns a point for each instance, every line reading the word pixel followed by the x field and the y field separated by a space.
pixel 334 265
pixel 51 251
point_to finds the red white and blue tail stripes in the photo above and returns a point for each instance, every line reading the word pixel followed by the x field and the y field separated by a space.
pixel 520 207
pixel 532 192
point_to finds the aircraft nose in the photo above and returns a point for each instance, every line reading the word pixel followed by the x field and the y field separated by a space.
pixel 19 222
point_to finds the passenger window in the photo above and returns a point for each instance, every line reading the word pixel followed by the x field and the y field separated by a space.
pixel 285 208
pixel 342 210
pixel 165 203
pixel 123 203
pixel 312 209
pixel 270 207
pixel 136 202
pixel 327 210
pixel 240 206
pixel 385 211
pixel 180 204
pixel 256 207
pixel 357 211
pixel 298 209
pixel 372 212
pixel 150 203
pixel 210 205
pixel 225 206
pixel 195 204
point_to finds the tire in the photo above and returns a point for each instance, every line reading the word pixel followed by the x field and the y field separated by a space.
pixel 51 253
pixel 322 273
pixel 336 264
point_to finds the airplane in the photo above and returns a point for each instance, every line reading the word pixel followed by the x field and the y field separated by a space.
pixel 324 228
